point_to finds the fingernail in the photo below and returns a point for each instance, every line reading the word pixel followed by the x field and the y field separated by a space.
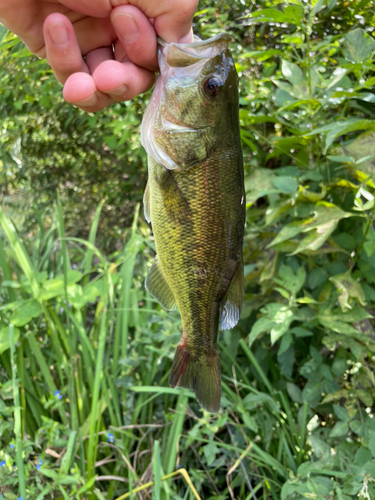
pixel 117 91
pixel 90 101
pixel 126 27
pixel 59 34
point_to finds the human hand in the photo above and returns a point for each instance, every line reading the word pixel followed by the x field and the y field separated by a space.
pixel 102 51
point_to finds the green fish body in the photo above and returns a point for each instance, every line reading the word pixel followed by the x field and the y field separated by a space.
pixel 195 200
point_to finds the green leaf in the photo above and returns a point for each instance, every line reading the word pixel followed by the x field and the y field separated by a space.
pixel 371 443
pixel 292 73
pixel 249 421
pixel 285 343
pixel 356 427
pixel 276 321
pixel 210 451
pixel 24 314
pixel 322 224
pixel 294 392
pixel 252 401
pixel 320 448
pixel 358 46
pixel 294 13
pixel 11 284
pixel 289 280
pixel 345 128
pixel 284 184
pixel 342 413
pixel 288 232
pixel 312 393
pixel 269 15
pixel 5 340
pixel 349 288
pixel 301 332
pixel 364 396
pixel 339 366
pixel 317 277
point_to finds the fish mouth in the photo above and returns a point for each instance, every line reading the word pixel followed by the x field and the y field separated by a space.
pixel 198 43
pixel 187 54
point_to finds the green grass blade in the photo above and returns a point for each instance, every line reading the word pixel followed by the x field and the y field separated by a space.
pixel 7 272
pixel 17 417
pixel 256 365
pixel 169 461
pixel 67 458
pixel 156 469
pixel 20 253
pixel 92 446
pixel 92 238
pixel 37 353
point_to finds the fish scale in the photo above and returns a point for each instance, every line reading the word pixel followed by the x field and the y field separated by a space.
pixel 195 201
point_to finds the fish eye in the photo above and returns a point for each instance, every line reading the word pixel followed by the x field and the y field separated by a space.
pixel 212 86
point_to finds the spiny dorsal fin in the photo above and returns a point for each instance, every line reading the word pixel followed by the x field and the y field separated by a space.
pixel 146 203
pixel 158 287
pixel 230 307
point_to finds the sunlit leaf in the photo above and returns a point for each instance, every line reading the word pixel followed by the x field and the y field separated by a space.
pixel 358 46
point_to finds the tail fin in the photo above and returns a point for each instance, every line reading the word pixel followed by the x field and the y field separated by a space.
pixel 201 374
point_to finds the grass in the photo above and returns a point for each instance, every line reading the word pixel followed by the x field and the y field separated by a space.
pixel 88 361
pixel 93 361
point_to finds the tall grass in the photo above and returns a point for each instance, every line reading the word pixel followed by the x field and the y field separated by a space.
pixel 89 359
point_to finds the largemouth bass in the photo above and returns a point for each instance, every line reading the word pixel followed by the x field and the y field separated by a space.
pixel 195 200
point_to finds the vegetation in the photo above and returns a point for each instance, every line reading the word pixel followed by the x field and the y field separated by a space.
pixel 85 407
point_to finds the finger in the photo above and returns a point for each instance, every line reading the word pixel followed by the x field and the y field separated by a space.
pixel 137 36
pixel 172 19
pixel 175 25
pixel 80 90
pixel 96 57
pixel 122 81
pixel 97 8
pixel 120 52
pixel 63 52
pixel 93 33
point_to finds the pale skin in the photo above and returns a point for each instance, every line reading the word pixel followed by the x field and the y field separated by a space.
pixel 102 51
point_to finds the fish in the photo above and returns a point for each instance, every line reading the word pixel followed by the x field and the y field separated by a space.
pixel 195 202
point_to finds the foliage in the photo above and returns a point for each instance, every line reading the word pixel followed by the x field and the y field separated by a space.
pixel 298 371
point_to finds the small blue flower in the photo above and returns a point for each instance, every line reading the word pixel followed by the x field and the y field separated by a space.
pixel 39 464
pixel 111 438
pixel 58 395
pixel 12 446
pixel 2 463
pixel 20 498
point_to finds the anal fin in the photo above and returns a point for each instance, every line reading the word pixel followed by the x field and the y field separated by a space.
pixel 230 307
pixel 158 287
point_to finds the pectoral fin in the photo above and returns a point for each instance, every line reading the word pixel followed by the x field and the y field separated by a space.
pixel 175 203
pixel 230 307
pixel 146 203
pixel 158 287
